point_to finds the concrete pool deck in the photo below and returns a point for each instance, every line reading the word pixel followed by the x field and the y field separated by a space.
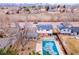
pixel 39 46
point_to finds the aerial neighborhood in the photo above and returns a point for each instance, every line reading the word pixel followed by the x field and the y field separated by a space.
pixel 39 29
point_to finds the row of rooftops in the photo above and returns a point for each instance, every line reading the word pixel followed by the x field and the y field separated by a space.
pixel 39 26
pixel 33 29
pixel 44 26
pixel 73 29
pixel 48 26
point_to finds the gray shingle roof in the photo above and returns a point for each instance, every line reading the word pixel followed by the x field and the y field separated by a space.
pixel 74 29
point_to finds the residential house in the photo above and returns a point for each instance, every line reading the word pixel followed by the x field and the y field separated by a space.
pixel 64 29
pixel 68 30
pixel 44 28
pixel 75 30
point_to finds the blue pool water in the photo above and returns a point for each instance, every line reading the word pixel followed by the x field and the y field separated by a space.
pixel 49 48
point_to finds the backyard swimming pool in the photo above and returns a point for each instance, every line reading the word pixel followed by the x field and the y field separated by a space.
pixel 49 48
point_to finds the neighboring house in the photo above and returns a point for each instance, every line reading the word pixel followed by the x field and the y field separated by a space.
pixel 75 30
pixel 68 30
pixel 63 29
pixel 44 28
